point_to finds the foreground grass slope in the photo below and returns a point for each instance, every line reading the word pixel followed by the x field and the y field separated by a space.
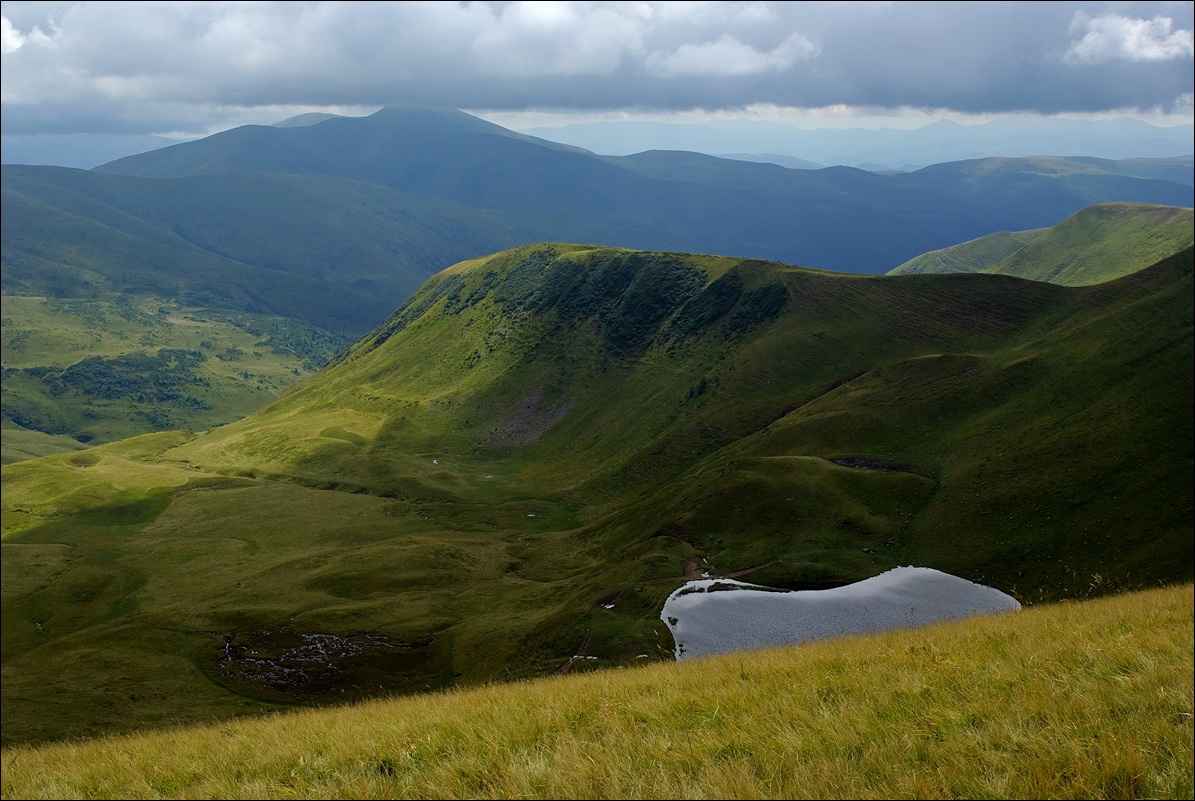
pixel 1089 700
pixel 523 461
pixel 1099 243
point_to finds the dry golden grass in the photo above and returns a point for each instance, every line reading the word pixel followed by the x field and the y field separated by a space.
pixel 1090 700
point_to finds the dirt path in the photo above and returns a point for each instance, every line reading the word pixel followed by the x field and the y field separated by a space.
pixel 746 570
pixel 582 652
pixel 691 571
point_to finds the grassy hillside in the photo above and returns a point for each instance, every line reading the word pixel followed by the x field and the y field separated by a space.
pixel 1102 243
pixel 1089 700
pixel 21 443
pixel 975 256
pixel 99 370
pixel 1098 244
pixel 522 462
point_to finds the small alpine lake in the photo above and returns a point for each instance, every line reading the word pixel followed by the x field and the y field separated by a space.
pixel 713 615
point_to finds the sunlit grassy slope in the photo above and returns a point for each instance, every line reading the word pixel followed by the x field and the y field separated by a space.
pixel 97 370
pixel 975 256
pixel 1098 244
pixel 1083 700
pixel 22 443
pixel 524 460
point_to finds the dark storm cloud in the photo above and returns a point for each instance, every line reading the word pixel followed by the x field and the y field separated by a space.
pixel 143 66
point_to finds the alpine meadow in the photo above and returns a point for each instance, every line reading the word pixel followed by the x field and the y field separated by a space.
pixel 391 451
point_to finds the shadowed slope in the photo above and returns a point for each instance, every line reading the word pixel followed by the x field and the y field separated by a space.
pixel 837 218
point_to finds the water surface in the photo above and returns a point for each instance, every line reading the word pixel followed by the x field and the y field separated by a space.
pixel 711 616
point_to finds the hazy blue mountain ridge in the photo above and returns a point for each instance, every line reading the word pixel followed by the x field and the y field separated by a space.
pixel 679 201
pixel 886 148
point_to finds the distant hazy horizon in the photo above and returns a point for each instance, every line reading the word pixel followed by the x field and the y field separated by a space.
pixel 756 139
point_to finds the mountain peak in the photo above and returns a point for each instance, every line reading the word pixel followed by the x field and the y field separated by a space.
pixel 433 118
pixel 304 120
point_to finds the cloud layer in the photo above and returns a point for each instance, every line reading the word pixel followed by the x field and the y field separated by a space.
pixel 157 67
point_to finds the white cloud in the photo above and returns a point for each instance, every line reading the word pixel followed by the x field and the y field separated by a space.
pixel 189 66
pixel 542 38
pixel 1112 37
pixel 12 40
pixel 727 56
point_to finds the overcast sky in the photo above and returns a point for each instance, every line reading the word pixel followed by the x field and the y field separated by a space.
pixel 193 68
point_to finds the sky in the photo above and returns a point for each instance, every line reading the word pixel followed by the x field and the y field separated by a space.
pixel 192 68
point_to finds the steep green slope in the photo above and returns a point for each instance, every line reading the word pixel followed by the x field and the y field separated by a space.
pixel 544 371
pixel 975 256
pixel 521 463
pixel 1100 243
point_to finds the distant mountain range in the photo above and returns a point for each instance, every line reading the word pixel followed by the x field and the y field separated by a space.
pixel 884 148
pixel 790 145
pixel 838 219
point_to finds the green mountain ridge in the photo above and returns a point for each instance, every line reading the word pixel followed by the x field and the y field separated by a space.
pixel 1099 243
pixel 975 256
pixel 520 463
